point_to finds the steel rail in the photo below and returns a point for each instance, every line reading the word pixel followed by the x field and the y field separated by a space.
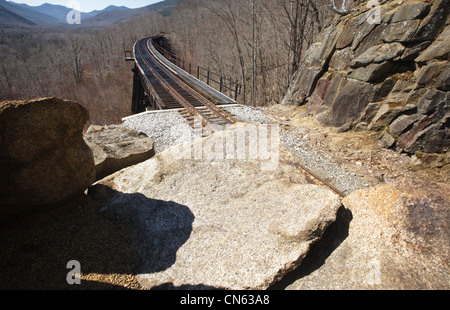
pixel 310 176
pixel 197 95
pixel 170 81
pixel 164 83
pixel 313 178
pixel 148 85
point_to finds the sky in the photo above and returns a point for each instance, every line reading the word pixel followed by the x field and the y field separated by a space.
pixel 90 5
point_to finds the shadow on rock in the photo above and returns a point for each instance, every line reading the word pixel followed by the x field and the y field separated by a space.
pixel 170 287
pixel 158 228
pixel 333 236
pixel 120 235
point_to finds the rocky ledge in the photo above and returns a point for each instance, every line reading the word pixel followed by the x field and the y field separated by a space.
pixel 391 236
pixel 117 147
pixel 222 212
pixel 386 70
pixel 217 222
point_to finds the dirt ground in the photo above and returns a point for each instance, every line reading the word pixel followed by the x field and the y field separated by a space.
pixel 361 152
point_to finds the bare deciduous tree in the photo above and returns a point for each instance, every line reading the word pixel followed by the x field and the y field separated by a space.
pixel 76 47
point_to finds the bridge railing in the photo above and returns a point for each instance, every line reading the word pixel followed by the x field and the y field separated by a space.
pixel 219 82
pixel 225 85
pixel 129 56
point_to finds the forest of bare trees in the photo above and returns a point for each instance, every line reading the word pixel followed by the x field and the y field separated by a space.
pixel 256 43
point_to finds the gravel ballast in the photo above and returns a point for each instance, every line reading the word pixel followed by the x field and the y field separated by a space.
pixel 166 128
pixel 169 128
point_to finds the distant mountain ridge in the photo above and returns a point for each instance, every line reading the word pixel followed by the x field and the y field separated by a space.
pixel 8 17
pixel 59 12
pixel 111 8
pixel 115 17
pixel 29 14
pixel 51 14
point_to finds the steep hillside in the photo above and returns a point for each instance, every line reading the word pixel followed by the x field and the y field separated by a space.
pixel 57 11
pixel 33 16
pixel 110 8
pixel 60 12
pixel 387 72
pixel 118 15
pixel 9 18
pixel 112 17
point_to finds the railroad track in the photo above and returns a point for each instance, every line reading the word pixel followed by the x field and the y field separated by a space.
pixel 313 178
pixel 175 93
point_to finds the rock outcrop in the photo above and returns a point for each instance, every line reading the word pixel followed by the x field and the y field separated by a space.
pixel 386 70
pixel 43 157
pixel 392 236
pixel 218 220
pixel 117 147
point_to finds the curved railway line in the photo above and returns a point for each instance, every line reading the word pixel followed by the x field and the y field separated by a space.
pixel 172 91
pixel 175 92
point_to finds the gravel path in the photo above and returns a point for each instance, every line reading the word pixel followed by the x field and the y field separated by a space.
pixel 165 128
pixel 249 114
pixel 316 161
pixel 310 156
pixel 170 128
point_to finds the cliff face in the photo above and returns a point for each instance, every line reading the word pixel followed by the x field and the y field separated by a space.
pixel 384 69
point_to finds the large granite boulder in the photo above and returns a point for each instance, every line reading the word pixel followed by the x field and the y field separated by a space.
pixel 392 236
pixel 117 147
pixel 43 157
pixel 205 215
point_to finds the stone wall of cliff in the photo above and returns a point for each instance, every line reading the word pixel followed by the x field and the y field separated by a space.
pixel 383 69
